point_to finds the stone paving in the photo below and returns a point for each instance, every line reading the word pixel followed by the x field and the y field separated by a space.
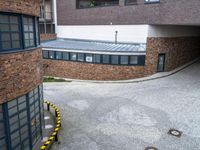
pixel 129 116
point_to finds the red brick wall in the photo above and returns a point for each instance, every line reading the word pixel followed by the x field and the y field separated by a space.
pixel 87 71
pixel 46 37
pixel 19 73
pixel 178 51
pixel 30 7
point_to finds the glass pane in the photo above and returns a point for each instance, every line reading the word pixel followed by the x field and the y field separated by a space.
pixel 21 99
pixel 15 36
pixel 31 42
pixel 4 27
pixel 27 43
pixel 65 55
pixel 58 55
pixel 23 114
pixel 25 19
pixel 23 121
pixel 45 54
pixel 31 36
pixel 88 57
pixel 12 103
pixel 133 60
pixel 15 44
pixel 31 28
pixel 124 60
pixel 5 37
pixel 14 27
pixel 4 19
pixel 6 45
pixel 14 126
pixel 14 119
pixel 26 35
pixel 106 59
pixel 73 56
pixel 114 59
pixel 97 58
pixel 22 106
pixel 80 57
pixel 30 21
pixel 52 54
pixel 14 19
pixel 26 28
pixel 12 111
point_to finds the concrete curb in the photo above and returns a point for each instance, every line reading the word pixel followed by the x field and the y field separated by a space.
pixel 152 77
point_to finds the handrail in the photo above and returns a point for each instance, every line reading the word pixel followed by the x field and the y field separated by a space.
pixel 54 136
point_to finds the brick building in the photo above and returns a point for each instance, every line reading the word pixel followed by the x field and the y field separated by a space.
pixel 21 97
pixel 121 39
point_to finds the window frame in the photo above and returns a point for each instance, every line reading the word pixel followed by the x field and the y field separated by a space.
pixel 22 47
pixel 151 2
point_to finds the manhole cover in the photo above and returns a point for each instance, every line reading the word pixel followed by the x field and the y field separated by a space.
pixel 175 132
pixel 150 148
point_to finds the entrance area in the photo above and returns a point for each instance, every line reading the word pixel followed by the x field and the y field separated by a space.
pixel 161 63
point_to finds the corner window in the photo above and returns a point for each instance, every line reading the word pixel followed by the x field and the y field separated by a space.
pixel 18 32
pixel 95 3
pixel 9 32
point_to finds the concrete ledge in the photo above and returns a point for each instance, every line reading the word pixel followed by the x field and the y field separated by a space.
pixel 152 77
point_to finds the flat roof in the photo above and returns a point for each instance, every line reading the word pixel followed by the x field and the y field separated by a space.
pixel 96 46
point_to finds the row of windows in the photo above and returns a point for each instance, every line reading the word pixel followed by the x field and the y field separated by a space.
pixel 17 118
pixel 95 58
pixel 18 32
pixel 102 3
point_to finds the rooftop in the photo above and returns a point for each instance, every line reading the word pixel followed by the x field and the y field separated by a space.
pixel 84 45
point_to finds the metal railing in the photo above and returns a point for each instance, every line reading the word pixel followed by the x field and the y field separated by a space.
pixel 54 136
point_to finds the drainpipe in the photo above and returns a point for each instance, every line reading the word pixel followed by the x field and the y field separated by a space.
pixel 116 33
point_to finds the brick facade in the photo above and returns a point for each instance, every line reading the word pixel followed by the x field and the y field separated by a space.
pixel 29 7
pixel 46 37
pixel 19 73
pixel 178 52
pixel 166 12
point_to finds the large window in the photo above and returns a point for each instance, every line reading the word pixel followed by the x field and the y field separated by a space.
pixel 18 32
pixel 95 3
pixel 137 60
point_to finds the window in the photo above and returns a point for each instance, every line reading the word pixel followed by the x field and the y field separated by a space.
pixel 9 32
pixel 114 59
pixel 124 60
pixel 88 57
pixel 152 1
pixel 51 54
pixel 73 56
pixel 105 59
pixel 28 31
pixel 133 60
pixel 45 54
pixel 97 58
pixel 65 56
pixel 95 3
pixel 80 57
pixel 130 2
pixel 18 32
pixel 58 55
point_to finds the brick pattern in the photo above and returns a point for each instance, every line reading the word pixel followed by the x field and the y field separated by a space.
pixel 166 12
pixel 87 71
pixel 178 52
pixel 19 73
pixel 30 7
pixel 46 37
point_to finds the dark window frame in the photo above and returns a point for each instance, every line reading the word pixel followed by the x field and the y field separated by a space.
pixel 151 2
pixel 21 33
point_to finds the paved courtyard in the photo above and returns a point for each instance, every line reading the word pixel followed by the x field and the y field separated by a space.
pixel 129 116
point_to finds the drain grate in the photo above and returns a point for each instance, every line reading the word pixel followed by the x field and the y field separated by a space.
pixel 175 132
pixel 150 148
